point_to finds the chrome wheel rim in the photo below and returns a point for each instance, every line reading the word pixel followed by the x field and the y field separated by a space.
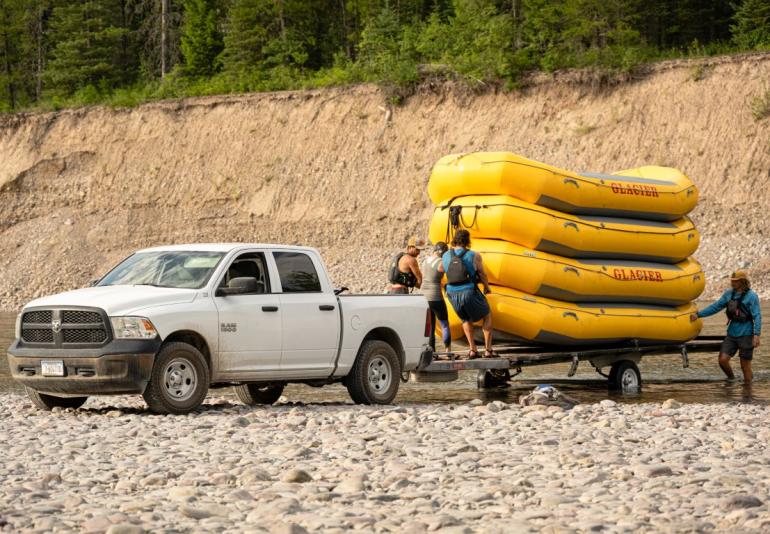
pixel 380 375
pixel 180 379
pixel 629 381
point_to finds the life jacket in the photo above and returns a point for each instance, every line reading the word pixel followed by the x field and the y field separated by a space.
pixel 457 272
pixel 395 276
pixel 737 311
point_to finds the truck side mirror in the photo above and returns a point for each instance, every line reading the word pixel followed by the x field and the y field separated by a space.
pixel 239 286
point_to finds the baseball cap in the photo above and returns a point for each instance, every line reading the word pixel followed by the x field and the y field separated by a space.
pixel 739 275
pixel 415 242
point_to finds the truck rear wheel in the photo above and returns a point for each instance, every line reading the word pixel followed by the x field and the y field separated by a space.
pixel 179 381
pixel 49 402
pixel 255 394
pixel 375 375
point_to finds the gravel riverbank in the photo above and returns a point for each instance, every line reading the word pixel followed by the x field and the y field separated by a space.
pixel 113 467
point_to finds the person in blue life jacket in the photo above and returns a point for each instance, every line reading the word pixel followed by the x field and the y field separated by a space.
pixel 464 269
pixel 744 327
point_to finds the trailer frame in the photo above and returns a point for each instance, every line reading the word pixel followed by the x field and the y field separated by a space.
pixel 622 359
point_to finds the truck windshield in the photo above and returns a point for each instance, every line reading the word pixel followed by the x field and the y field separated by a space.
pixel 179 269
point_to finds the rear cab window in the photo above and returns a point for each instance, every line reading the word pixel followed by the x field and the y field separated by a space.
pixel 297 272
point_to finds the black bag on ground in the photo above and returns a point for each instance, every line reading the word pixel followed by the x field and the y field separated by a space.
pixel 457 273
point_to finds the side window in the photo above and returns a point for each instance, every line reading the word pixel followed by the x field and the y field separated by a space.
pixel 250 265
pixel 297 272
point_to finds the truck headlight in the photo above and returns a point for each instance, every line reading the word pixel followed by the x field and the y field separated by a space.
pixel 18 326
pixel 133 328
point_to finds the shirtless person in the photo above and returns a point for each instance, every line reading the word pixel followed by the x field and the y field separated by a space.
pixel 404 271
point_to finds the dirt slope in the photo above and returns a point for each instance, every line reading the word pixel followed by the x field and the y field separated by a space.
pixel 80 189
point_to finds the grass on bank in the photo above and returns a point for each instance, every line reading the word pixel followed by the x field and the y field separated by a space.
pixel 398 79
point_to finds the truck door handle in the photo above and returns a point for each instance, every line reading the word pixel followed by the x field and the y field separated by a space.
pixel 269 308
pixel 326 307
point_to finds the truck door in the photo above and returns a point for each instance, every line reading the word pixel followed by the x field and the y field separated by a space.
pixel 311 316
pixel 250 329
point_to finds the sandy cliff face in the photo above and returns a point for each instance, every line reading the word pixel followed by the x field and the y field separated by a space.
pixel 335 169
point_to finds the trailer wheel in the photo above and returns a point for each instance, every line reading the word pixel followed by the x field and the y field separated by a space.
pixel 374 378
pixel 255 394
pixel 493 378
pixel 49 402
pixel 625 377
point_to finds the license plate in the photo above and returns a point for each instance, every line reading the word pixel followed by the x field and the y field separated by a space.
pixel 52 368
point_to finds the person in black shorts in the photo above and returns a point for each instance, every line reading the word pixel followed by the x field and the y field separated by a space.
pixel 741 305
pixel 431 288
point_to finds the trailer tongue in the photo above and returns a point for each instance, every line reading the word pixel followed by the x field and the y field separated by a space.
pixel 623 376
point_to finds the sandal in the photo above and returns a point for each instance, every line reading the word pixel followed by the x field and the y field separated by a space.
pixel 491 354
pixel 472 355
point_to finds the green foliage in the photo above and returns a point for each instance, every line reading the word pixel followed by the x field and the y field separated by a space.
pixel 87 36
pixel 57 53
pixel 201 37
pixel 752 24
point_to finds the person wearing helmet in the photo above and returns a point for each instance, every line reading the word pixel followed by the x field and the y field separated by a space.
pixel 431 288
pixel 744 326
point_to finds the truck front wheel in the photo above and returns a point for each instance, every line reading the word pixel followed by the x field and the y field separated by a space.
pixel 375 375
pixel 255 394
pixel 180 380
pixel 49 402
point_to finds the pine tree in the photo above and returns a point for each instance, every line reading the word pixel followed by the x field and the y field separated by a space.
pixel 248 27
pixel 202 40
pixel 752 24
pixel 88 46
pixel 12 41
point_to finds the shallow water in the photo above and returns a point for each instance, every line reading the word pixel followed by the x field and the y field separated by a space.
pixel 663 376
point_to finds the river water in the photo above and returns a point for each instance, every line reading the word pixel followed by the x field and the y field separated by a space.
pixel 663 376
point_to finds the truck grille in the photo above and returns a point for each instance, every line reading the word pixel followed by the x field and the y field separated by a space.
pixel 59 328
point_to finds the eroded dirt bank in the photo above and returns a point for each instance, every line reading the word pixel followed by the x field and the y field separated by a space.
pixel 337 169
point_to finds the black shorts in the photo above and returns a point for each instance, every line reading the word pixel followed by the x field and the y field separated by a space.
pixel 438 307
pixel 743 345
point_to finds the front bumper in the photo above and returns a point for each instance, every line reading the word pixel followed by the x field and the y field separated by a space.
pixel 121 366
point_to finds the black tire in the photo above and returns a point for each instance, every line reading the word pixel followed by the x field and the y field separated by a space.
pixel 179 381
pixel 625 377
pixel 49 402
pixel 379 359
pixel 255 394
pixel 493 378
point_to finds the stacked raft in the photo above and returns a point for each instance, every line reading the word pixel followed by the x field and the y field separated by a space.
pixel 575 259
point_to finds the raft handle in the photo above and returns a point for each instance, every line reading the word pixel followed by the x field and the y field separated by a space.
pixel 572 181
pixel 571 269
pixel 573 225
pixel 570 314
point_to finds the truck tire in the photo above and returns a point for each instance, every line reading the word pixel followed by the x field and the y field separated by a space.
pixel 179 381
pixel 625 377
pixel 255 394
pixel 375 375
pixel 49 402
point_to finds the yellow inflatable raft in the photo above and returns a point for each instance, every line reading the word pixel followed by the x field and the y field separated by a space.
pixel 586 280
pixel 655 193
pixel 574 236
pixel 544 321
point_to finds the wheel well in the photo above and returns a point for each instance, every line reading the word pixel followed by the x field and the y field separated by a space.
pixel 391 338
pixel 191 338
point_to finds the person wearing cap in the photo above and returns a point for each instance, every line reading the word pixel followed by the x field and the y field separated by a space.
pixel 744 327
pixel 431 288
pixel 405 272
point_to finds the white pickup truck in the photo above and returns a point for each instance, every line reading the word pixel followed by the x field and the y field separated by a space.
pixel 172 322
